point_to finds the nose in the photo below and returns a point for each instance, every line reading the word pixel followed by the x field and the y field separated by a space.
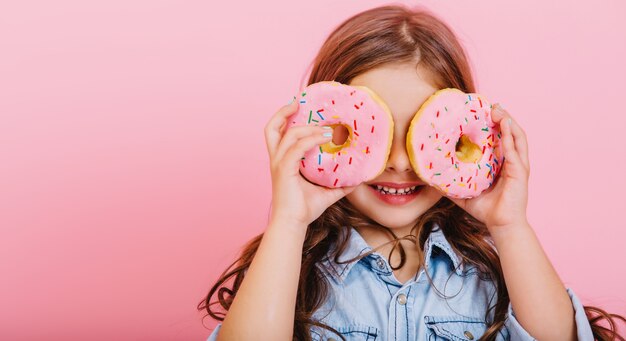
pixel 398 157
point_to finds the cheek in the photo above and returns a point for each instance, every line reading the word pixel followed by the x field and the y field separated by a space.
pixel 431 191
pixel 361 197
pixel 358 195
pixel 432 195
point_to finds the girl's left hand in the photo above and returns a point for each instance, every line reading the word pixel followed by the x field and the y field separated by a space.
pixel 504 203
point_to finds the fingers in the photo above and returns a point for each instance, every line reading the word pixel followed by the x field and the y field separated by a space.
pixel 296 133
pixel 510 153
pixel 296 151
pixel 275 126
pixel 519 136
pixel 521 143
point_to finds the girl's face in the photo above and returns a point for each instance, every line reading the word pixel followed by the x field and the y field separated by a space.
pixel 404 88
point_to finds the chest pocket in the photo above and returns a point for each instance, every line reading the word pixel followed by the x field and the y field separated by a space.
pixel 458 328
pixel 352 332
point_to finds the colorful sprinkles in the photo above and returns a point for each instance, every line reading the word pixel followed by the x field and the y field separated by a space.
pixel 332 103
pixel 467 109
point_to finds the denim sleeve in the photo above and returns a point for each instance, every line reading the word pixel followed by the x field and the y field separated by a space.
pixel 517 332
pixel 213 335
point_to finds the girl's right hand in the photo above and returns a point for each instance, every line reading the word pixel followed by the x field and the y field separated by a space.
pixel 294 199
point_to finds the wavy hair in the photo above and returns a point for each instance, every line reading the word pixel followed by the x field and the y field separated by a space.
pixel 372 38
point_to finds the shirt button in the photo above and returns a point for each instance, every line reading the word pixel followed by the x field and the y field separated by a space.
pixel 381 263
pixel 468 335
pixel 402 299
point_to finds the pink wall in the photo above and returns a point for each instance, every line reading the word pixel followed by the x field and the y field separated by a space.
pixel 133 163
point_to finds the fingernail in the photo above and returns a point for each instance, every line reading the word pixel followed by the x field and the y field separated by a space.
pixel 510 121
pixel 327 128
pixel 327 134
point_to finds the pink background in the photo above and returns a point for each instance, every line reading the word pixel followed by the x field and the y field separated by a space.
pixel 133 164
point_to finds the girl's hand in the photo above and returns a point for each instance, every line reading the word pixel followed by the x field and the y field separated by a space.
pixel 293 197
pixel 504 203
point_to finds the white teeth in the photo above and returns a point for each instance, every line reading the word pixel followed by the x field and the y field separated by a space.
pixel 395 191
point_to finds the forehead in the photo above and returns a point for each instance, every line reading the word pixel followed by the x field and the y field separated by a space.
pixel 403 87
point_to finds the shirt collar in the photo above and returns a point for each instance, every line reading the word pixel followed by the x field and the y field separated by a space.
pixel 356 246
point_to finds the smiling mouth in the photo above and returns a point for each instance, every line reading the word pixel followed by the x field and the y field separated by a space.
pixel 397 192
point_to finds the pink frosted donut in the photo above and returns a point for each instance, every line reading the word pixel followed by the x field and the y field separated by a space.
pixel 454 145
pixel 355 112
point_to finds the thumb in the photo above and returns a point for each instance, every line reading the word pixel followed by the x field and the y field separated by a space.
pixel 462 203
pixel 347 190
pixel 335 194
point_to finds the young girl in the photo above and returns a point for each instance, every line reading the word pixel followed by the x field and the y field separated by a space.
pixel 330 264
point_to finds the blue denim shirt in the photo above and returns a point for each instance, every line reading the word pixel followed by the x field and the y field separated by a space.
pixel 367 302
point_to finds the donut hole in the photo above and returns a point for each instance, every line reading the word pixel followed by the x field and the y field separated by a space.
pixel 467 151
pixel 341 138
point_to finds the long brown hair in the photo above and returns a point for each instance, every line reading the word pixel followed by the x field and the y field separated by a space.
pixel 389 34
